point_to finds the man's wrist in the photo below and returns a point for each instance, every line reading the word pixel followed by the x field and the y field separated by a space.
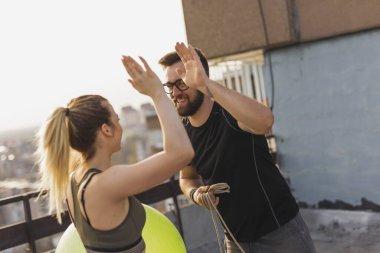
pixel 207 90
pixel 191 195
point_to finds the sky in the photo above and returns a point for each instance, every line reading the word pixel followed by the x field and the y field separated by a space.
pixel 52 51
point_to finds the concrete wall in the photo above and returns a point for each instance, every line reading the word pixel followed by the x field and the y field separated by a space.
pixel 327 113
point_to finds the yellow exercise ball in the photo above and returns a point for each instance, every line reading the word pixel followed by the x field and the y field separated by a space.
pixel 70 241
pixel 159 234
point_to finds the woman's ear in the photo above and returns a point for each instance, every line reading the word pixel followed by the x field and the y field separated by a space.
pixel 106 129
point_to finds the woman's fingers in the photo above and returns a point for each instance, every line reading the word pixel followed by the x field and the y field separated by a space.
pixel 135 65
pixel 146 65
pixel 132 67
pixel 127 67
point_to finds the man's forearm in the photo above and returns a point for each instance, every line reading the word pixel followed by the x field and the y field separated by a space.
pixel 246 110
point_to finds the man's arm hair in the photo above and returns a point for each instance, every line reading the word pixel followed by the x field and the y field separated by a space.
pixel 189 180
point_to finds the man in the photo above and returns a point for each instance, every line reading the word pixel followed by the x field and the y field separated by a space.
pixel 227 130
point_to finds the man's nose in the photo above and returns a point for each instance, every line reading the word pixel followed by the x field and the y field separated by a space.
pixel 176 91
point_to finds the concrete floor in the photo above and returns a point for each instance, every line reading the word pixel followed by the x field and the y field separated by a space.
pixel 340 231
pixel 333 231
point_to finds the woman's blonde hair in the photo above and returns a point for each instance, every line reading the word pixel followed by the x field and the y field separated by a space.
pixel 64 141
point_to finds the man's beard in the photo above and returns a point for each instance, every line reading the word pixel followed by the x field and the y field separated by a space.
pixel 192 105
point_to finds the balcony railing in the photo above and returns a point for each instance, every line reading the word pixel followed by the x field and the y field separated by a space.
pixel 31 229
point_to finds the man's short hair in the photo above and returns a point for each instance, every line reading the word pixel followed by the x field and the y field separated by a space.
pixel 172 57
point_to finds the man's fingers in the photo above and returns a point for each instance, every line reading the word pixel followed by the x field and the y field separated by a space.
pixel 194 54
pixel 181 73
pixel 203 189
pixel 203 197
pixel 183 52
pixel 179 50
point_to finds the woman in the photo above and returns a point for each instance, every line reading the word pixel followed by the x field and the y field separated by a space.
pixel 75 148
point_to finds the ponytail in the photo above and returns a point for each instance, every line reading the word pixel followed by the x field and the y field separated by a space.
pixel 54 159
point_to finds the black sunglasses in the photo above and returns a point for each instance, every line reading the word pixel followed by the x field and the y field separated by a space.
pixel 179 83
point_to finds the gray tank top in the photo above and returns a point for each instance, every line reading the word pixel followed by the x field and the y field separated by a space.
pixel 125 236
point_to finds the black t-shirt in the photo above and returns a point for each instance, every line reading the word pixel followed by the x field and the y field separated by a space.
pixel 226 154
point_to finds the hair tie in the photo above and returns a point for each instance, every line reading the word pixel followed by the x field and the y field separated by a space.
pixel 67 111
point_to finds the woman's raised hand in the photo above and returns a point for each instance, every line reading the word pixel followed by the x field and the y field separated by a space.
pixel 143 80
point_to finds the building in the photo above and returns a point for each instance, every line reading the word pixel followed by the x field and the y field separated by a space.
pixel 317 64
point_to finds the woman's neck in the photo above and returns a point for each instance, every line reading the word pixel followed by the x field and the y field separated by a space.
pixel 99 161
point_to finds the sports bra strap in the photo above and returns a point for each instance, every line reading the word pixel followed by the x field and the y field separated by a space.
pixel 90 176
pixel 70 214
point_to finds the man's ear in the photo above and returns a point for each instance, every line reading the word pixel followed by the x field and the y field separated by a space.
pixel 106 129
